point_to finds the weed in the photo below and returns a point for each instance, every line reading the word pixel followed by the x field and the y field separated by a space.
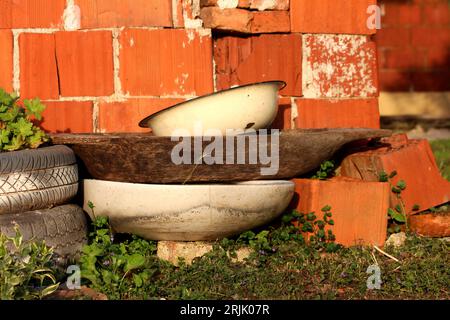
pixel 25 269
pixel 17 130
pixel 325 171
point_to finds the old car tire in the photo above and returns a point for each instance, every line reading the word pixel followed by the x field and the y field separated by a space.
pixel 37 179
pixel 63 228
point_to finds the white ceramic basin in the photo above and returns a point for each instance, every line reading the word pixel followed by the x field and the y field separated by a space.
pixel 251 106
pixel 187 212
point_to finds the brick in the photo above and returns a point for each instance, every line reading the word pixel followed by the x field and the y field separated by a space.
pixel 399 14
pixel 38 70
pixel 67 117
pixel 31 13
pixel 425 37
pixel 125 13
pixel 227 19
pixel 404 58
pixel 166 62
pixel 271 22
pixel 259 58
pixel 324 113
pixel 359 208
pixel 330 16
pixel 339 66
pixel 265 5
pixel 283 119
pixel 431 80
pixel 85 63
pixel 437 58
pixel 173 250
pixel 393 37
pixel 245 21
pixel 188 14
pixel 436 14
pixel 125 116
pixel 414 163
pixel 6 60
pixel 394 80
pixel 430 225
pixel 260 5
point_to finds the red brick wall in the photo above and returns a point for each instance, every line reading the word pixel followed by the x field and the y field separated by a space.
pixel 105 64
pixel 414 45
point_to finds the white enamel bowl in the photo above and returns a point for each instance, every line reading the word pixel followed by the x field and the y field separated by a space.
pixel 251 106
pixel 187 212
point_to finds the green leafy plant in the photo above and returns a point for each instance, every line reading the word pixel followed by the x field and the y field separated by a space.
pixel 17 130
pixel 25 269
pixel 397 215
pixel 319 235
pixel 325 171
pixel 116 268
pixel 296 226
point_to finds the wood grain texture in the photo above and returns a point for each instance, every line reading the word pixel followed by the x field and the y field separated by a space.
pixel 144 158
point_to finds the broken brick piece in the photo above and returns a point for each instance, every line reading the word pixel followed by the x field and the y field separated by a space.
pixel 359 208
pixel 414 163
pixel 430 225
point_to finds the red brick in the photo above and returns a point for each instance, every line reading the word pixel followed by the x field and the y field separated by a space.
pixel 245 21
pixel 125 116
pixel 340 66
pixel 330 16
pixel 404 58
pixel 400 14
pixel 227 19
pixel 324 113
pixel 438 58
pixel 260 5
pixel 187 14
pixel 265 5
pixel 38 71
pixel 393 80
pixel 430 225
pixel 270 22
pixel 67 117
pixel 6 60
pixel 359 208
pixel 431 80
pixel 85 63
pixel 425 37
pixel 393 37
pixel 124 13
pixel 283 119
pixel 414 163
pixel 166 62
pixel 437 14
pixel 259 58
pixel 31 13
pixel 6 14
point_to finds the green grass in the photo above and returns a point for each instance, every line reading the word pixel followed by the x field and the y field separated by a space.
pixel 441 149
